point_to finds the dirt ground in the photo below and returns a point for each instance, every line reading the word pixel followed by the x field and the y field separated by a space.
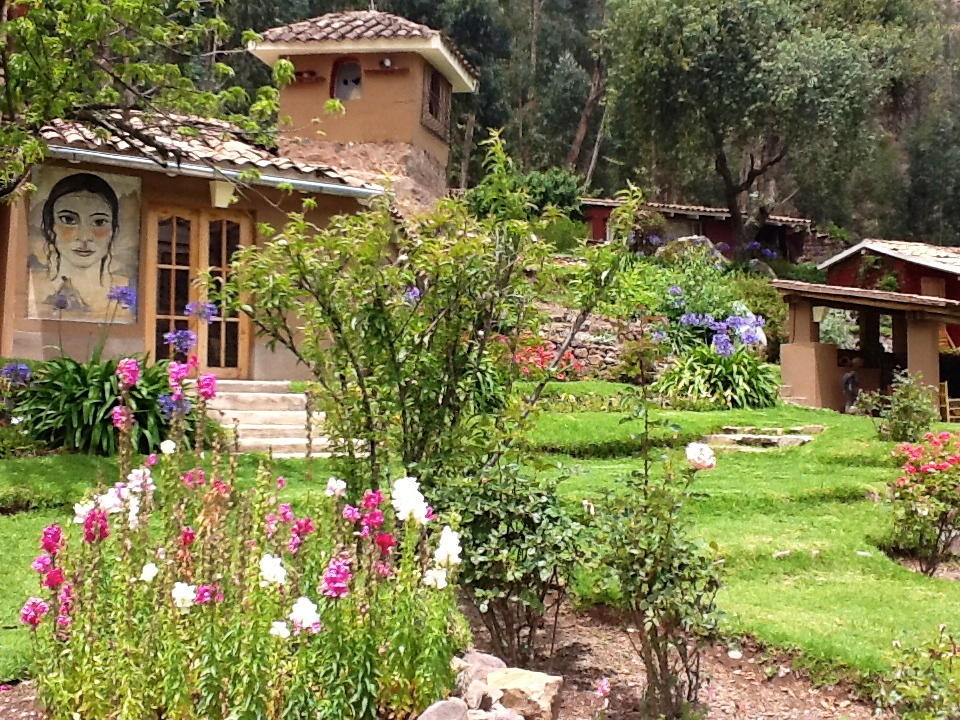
pixel 743 684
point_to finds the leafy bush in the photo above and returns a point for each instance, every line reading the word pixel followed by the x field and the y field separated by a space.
pixel 764 300
pixel 906 413
pixel 179 595
pixel 17 441
pixel 804 272
pixel 926 505
pixel 704 376
pixel 559 188
pixel 924 683
pixel 68 405
pixel 565 235
pixel 662 583
pixel 520 544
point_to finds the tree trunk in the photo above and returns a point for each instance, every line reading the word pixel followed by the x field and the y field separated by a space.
pixel 596 148
pixel 466 150
pixel 598 84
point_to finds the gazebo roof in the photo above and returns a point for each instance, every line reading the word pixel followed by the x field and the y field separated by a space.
pixel 854 298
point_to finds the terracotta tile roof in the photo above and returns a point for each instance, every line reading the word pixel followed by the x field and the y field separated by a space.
pixel 937 257
pixel 696 210
pixel 358 25
pixel 187 139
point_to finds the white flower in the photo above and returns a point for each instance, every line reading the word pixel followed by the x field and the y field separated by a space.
pixel 272 571
pixel 111 501
pixel 280 629
pixel 447 553
pixel 81 510
pixel 133 516
pixel 183 595
pixel 435 578
pixel 16 420
pixel 140 480
pixel 408 501
pixel 282 242
pixel 336 487
pixel 701 456
pixel 168 447
pixel 149 572
pixel 304 614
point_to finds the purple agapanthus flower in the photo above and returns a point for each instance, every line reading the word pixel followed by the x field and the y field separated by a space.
pixel 718 326
pixel 723 247
pixel 171 407
pixel 412 295
pixel 675 290
pixel 16 373
pixel 182 341
pixel 753 246
pixel 655 240
pixel 125 296
pixel 769 254
pixel 722 344
pixel 658 336
pixel 750 335
pixel 692 320
pixel 205 311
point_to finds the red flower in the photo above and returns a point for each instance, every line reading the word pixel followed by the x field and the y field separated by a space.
pixel 188 536
pixel 54 578
pixel 386 542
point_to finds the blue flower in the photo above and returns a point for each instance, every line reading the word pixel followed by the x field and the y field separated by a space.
pixel 722 345
pixel 412 295
pixel 655 240
pixel 769 254
pixel 750 335
pixel 753 246
pixel 718 326
pixel 171 406
pixel 182 341
pixel 16 373
pixel 675 290
pixel 658 336
pixel 205 311
pixel 125 296
pixel 692 320
pixel 723 247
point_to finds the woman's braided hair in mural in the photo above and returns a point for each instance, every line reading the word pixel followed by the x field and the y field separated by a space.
pixel 81 182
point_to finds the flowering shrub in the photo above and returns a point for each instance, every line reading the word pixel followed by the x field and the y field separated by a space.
pixel 704 377
pixel 926 499
pixel 180 595
pixel 535 362
pixel 924 683
pixel 904 414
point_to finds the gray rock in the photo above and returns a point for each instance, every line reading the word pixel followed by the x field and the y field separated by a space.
pixel 534 695
pixel 759 266
pixel 680 246
pixel 450 709
pixel 499 712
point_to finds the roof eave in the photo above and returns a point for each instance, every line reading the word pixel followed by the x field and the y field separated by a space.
pixel 883 250
pixel 433 49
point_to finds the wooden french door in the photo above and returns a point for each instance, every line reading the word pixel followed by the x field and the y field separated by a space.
pixel 182 244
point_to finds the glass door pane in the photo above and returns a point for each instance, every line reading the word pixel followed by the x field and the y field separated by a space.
pixel 175 240
pixel 223 334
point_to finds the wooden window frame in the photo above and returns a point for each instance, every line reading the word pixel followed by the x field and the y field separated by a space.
pixel 438 125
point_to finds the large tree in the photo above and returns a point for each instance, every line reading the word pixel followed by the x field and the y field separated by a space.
pixel 745 84
pixel 95 61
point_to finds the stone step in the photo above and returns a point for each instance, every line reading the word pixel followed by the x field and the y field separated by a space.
pixel 759 441
pixel 258 401
pixel 272 430
pixel 292 418
pixel 255 386
pixel 290 445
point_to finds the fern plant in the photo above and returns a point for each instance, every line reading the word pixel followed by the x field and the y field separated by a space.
pixel 704 377
pixel 68 405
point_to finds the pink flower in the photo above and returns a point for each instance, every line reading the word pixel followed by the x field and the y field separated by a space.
pixel 42 564
pixel 281 482
pixel 945 436
pixel 207 594
pixel 221 488
pixel 603 688
pixel 54 579
pixel 5 688
pixel 207 386
pixel 128 371
pixel 372 499
pixel 65 598
pixel 286 514
pixel 303 526
pixel 382 569
pixel 176 374
pixel 386 542
pixel 188 536
pixel 271 524
pixel 33 611
pixel 430 514
pixel 96 527
pixel 372 520
pixel 63 621
pixel 336 579
pixel 194 478
pixel 151 459
pixel 351 513
pixel 294 543
pixel 121 417
pixel 52 539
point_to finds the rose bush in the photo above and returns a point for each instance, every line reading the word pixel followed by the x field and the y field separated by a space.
pixel 177 594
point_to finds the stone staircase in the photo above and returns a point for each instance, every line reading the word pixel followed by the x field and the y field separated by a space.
pixel 752 439
pixel 268 417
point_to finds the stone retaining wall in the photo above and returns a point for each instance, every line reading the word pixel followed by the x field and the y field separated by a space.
pixel 598 345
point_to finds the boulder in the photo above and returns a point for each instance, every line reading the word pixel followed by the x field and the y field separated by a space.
pixel 680 246
pixel 450 709
pixel 762 268
pixel 534 695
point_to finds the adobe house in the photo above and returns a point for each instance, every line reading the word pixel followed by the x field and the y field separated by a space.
pixel 110 213
pixel 791 237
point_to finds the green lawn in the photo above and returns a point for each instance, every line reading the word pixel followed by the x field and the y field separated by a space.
pixel 799 529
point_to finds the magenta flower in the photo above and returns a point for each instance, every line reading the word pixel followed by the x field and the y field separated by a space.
pixel 286 514
pixel 176 374
pixel 372 499
pixel 281 482
pixel 431 514
pixel 386 542
pixel 128 371
pixel 121 417
pixel 65 598
pixel 351 513
pixel 207 594
pixel 188 536
pixel 151 459
pixel 272 521
pixel 33 611
pixel 603 688
pixel 194 478
pixel 382 569
pixel 372 520
pixel 304 526
pixel 96 527
pixel 220 487
pixel 42 564
pixel 336 579
pixel 207 386
pixel 54 579
pixel 294 543
pixel 52 539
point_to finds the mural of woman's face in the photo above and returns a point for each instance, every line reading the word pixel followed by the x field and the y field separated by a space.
pixel 82 228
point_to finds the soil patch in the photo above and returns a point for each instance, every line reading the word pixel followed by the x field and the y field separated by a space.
pixel 19 702
pixel 948 570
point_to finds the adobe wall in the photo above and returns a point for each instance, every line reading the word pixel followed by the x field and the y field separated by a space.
pixel 23 337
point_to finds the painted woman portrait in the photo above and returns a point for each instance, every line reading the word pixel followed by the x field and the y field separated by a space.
pixel 81 233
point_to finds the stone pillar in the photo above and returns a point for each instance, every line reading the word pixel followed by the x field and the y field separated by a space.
pixel 923 349
pixel 802 327
pixel 899 334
